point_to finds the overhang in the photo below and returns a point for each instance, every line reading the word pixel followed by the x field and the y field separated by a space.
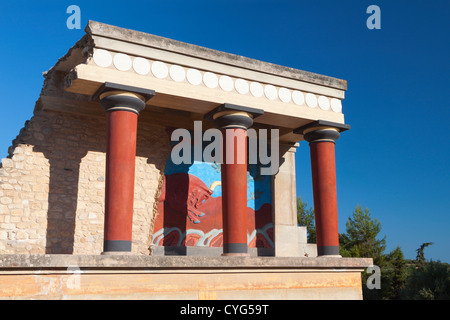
pixel 189 81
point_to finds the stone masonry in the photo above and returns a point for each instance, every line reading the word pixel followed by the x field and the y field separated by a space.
pixel 52 185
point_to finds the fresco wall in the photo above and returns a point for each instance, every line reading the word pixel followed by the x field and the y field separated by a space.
pixel 190 207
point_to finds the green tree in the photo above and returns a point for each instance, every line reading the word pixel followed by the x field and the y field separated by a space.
pixel 305 217
pixel 361 239
pixel 420 258
pixel 394 275
pixel 429 282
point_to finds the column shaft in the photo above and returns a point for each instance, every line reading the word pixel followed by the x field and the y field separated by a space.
pixel 234 191
pixel 233 121
pixel 122 105
pixel 120 173
pixel 322 136
pixel 323 170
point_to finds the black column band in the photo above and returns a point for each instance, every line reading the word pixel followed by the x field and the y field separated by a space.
pixel 233 121
pixel 320 135
pixel 228 116
pixel 113 96
pixel 321 130
pixel 123 103
pixel 116 246
pixel 328 251
pixel 235 248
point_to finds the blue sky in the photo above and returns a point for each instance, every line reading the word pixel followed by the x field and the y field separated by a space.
pixel 395 158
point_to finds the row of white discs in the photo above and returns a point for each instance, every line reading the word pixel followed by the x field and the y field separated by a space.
pixel 177 73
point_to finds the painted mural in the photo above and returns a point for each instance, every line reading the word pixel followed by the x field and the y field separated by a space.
pixel 190 207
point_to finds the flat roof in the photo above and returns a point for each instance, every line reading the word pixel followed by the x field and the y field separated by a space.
pixel 189 81
pixel 142 38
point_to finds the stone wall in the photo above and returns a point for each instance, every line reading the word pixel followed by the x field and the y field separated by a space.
pixel 52 185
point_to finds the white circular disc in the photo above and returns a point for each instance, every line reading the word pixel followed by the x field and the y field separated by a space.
pixel 177 73
pixel 336 105
pixel 159 69
pixel 311 100
pixel 285 95
pixel 298 97
pixel 102 58
pixel 122 62
pixel 256 89
pixel 271 92
pixel 141 66
pixel 226 83
pixel 324 103
pixel 210 80
pixel 241 86
pixel 194 77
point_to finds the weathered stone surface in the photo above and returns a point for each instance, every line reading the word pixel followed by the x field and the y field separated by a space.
pixel 141 38
pixel 147 277
pixel 177 262
pixel 52 187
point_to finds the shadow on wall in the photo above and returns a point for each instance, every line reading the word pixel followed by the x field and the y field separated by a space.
pixel 64 144
pixel 65 140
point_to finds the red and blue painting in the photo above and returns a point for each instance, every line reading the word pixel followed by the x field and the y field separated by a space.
pixel 190 207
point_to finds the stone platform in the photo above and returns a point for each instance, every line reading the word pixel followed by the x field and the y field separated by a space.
pixel 175 277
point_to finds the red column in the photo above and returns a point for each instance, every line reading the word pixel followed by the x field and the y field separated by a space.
pixel 325 198
pixel 234 191
pixel 120 172
pixel 234 121
pixel 322 136
pixel 122 105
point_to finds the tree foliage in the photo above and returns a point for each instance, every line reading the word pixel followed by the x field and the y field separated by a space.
pixel 361 239
pixel 401 278
pixel 420 258
pixel 305 217
pixel 431 281
pixel 394 275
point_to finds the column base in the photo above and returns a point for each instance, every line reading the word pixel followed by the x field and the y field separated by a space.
pixel 330 256
pixel 235 254
pixel 328 251
pixel 116 253
pixel 235 249
pixel 117 246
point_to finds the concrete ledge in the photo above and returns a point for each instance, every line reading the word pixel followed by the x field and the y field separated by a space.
pixel 54 277
pixel 39 262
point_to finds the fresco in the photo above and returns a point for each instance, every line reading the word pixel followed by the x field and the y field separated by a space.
pixel 190 207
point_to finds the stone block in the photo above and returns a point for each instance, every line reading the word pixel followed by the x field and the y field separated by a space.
pixel 7 163
pixel 286 241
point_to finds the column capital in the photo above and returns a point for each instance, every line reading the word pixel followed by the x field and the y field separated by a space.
pixel 322 131
pixel 230 116
pixel 113 96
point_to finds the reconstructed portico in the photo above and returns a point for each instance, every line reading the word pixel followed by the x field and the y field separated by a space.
pixel 198 81
pixel 134 89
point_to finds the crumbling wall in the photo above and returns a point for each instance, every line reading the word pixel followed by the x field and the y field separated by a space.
pixel 52 185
